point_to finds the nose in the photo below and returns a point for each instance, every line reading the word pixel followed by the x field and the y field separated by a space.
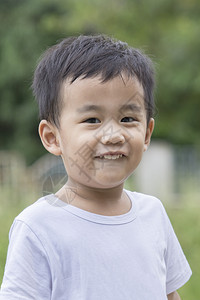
pixel 112 134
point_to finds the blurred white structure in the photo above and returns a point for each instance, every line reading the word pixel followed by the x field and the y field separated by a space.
pixel 155 174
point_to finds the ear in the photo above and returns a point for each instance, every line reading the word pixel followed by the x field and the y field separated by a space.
pixel 49 137
pixel 148 134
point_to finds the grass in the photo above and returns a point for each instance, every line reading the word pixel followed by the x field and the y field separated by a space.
pixel 186 223
pixel 185 220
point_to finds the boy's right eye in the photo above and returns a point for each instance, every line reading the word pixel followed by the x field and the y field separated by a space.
pixel 92 121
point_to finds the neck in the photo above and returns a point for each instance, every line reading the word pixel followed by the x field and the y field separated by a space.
pixel 112 201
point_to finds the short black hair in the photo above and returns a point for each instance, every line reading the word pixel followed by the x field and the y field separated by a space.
pixel 87 57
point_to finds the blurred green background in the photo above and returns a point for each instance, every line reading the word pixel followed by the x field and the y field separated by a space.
pixel 166 30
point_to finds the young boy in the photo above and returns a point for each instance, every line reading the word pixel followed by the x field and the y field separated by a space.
pixel 93 240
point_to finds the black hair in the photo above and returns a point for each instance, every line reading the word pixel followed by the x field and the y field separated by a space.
pixel 87 57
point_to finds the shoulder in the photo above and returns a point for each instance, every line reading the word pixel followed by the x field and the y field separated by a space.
pixel 45 215
pixel 37 211
pixel 145 202
pixel 149 208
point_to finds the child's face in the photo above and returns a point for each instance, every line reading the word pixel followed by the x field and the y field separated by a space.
pixel 103 130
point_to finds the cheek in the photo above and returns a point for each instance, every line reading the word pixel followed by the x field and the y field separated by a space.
pixel 77 152
pixel 137 139
pixel 137 147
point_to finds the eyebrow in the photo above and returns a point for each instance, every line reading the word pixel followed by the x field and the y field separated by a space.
pixel 88 108
pixel 131 106
pixel 96 108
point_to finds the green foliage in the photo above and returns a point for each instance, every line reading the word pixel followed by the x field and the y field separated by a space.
pixel 167 30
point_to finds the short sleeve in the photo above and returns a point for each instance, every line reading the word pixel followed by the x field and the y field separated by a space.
pixel 177 267
pixel 27 273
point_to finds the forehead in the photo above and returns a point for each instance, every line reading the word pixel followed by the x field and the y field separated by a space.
pixel 92 90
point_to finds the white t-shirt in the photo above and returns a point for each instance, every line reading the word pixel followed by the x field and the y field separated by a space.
pixel 60 252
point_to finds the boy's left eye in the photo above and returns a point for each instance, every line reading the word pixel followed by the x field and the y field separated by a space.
pixel 92 121
pixel 128 119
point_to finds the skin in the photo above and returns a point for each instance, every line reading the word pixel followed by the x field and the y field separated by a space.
pixel 100 119
pixel 173 296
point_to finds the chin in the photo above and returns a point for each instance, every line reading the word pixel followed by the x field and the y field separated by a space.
pixel 108 182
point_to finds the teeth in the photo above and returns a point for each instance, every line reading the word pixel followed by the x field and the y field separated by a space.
pixel 114 156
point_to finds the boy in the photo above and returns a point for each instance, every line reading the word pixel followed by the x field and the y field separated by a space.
pixel 96 105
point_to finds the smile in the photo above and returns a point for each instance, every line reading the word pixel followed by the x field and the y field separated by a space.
pixel 111 155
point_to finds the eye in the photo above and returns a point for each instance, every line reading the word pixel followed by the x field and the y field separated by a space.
pixel 128 119
pixel 92 121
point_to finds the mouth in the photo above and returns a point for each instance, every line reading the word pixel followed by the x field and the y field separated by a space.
pixel 111 156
